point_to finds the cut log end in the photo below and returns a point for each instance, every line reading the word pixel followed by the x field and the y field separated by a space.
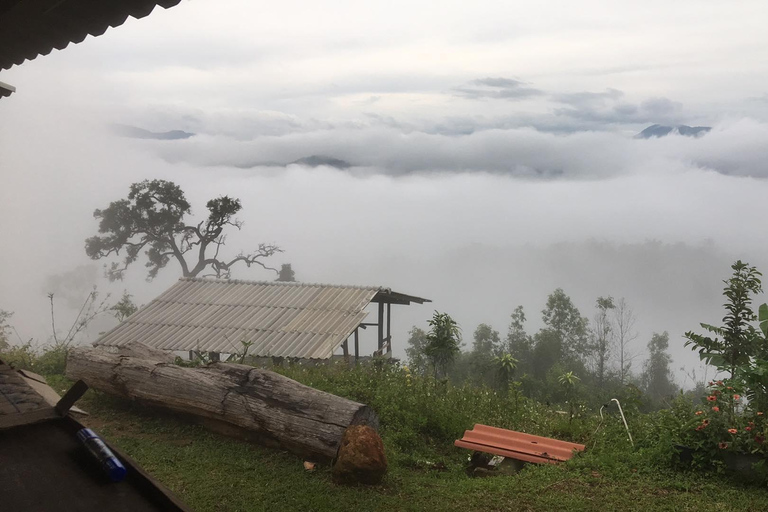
pixel 361 458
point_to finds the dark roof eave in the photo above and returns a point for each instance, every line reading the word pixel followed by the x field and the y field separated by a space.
pixel 29 28
pixel 389 297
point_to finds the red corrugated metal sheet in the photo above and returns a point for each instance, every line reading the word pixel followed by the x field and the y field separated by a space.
pixel 517 445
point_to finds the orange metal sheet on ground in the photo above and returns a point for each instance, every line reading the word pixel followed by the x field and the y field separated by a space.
pixel 517 445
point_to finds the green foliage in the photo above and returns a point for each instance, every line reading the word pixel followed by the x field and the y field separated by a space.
pixel 5 328
pixel 480 368
pixel 722 425
pixel 486 341
pixel 568 382
pixel 602 332
pixel 657 377
pixel 505 368
pixel 197 465
pixel 422 416
pixel 286 274
pixel 564 320
pixel 52 360
pixel 124 307
pixel 151 220
pixel 240 355
pixel 518 342
pixel 443 342
pixel 737 340
pixel 415 351
pixel 738 346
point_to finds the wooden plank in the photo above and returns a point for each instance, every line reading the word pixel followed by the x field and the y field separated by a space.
pixel 71 396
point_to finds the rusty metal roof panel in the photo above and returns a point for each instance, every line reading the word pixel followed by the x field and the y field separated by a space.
pixel 29 28
pixel 517 445
pixel 280 319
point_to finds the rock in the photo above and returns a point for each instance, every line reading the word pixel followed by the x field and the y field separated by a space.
pixel 361 457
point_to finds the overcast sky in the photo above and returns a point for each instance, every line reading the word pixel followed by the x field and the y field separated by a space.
pixel 490 146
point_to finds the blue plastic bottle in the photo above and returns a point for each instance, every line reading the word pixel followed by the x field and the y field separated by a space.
pixel 111 465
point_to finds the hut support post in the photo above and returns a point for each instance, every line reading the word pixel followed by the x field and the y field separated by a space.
pixel 357 345
pixel 389 332
pixel 381 327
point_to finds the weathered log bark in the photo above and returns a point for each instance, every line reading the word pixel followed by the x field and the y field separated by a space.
pixel 301 419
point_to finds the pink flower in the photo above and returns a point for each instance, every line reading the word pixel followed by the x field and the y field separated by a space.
pixel 719 382
pixel 732 431
pixel 712 398
pixel 748 429
pixel 723 445
pixel 716 409
pixel 699 413
pixel 736 397
pixel 705 423
pixel 759 413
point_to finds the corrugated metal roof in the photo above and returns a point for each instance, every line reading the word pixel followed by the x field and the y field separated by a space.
pixel 29 28
pixel 517 445
pixel 281 319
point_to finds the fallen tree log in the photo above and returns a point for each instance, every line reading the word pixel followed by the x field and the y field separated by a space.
pixel 298 418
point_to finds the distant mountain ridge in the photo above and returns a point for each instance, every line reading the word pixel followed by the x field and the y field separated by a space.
pixel 134 132
pixel 660 130
pixel 318 160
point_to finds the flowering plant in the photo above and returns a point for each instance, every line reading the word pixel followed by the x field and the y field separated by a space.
pixel 725 423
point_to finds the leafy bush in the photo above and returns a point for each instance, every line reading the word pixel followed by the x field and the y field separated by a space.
pixel 724 424
pixel 52 360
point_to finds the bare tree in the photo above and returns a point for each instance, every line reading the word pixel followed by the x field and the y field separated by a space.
pixel 90 309
pixel 624 319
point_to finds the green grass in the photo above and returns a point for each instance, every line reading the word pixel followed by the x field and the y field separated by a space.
pixel 214 473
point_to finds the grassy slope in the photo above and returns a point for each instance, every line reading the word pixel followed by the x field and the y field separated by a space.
pixel 214 473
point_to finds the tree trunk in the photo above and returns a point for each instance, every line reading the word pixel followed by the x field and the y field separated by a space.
pixel 279 410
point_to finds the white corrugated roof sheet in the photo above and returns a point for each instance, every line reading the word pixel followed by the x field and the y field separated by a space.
pixel 281 319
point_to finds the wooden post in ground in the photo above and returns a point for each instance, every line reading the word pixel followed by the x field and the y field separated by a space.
pixel 389 331
pixel 381 327
pixel 357 345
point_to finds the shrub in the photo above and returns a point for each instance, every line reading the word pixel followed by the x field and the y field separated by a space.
pixel 421 417
pixel 52 360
